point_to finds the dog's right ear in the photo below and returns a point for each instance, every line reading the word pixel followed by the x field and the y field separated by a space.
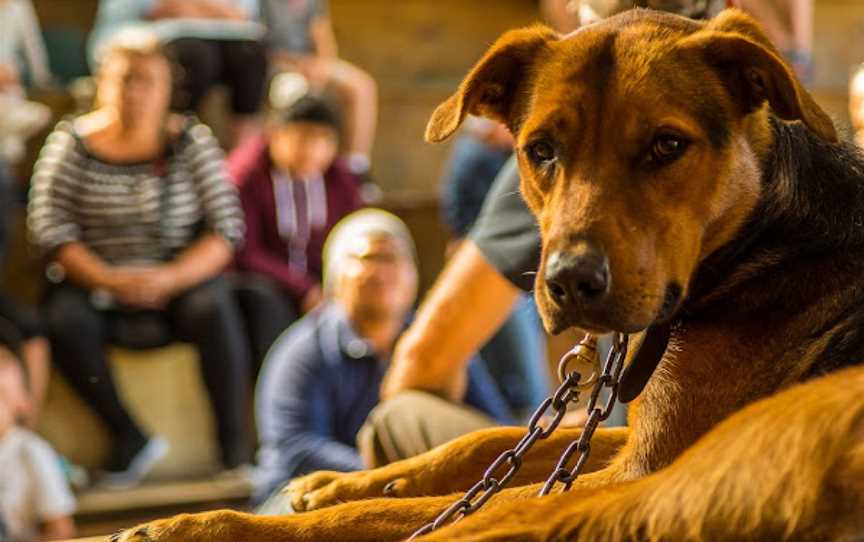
pixel 491 86
pixel 751 67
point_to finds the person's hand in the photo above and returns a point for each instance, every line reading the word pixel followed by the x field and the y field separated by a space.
pixel 408 372
pixel 146 288
pixel 158 287
pixel 312 299
pixel 123 283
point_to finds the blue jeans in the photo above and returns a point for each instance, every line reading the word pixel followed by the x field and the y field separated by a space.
pixel 516 358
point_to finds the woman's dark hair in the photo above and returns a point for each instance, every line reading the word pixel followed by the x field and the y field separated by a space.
pixel 310 109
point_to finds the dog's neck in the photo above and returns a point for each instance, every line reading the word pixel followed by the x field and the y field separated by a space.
pixel 811 208
pixel 767 307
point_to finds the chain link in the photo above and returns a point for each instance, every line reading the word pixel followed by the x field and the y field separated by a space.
pixel 583 359
pixel 596 414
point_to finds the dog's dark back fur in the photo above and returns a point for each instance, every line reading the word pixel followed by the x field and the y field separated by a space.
pixel 804 241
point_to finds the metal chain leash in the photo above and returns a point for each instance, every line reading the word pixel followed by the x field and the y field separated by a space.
pixel 583 356
pixel 596 414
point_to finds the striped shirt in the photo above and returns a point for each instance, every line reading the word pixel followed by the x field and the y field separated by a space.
pixel 132 214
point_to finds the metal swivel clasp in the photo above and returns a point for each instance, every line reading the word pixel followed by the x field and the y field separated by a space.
pixel 584 360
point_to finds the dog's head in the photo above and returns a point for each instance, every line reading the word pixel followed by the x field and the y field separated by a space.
pixel 639 142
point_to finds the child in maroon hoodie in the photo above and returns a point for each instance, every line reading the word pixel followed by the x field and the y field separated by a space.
pixel 293 190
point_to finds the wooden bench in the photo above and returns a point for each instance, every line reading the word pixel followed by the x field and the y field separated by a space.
pixel 164 392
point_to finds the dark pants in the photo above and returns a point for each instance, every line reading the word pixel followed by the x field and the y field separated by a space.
pixel 239 64
pixel 206 316
pixel 267 312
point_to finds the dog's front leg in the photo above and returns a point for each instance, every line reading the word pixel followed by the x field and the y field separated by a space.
pixel 449 468
pixel 789 467
pixel 371 520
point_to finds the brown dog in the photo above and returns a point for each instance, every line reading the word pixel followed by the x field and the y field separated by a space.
pixel 680 175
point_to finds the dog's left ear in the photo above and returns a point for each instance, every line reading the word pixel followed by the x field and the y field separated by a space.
pixel 490 88
pixel 753 72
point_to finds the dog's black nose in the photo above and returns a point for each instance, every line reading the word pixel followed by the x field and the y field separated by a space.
pixel 577 275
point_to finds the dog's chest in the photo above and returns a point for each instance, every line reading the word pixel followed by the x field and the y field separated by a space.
pixel 708 372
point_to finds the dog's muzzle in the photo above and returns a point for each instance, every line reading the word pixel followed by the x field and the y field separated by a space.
pixel 577 278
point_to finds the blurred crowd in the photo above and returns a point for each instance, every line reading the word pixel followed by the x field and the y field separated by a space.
pixel 263 253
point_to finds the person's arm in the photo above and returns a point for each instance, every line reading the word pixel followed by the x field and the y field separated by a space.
pixel 202 260
pixel 85 268
pixel 208 255
pixel 223 214
pixel 294 409
pixel 468 303
pixel 51 213
pixel 473 295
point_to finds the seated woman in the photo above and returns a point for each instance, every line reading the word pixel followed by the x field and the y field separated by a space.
pixel 133 207
pixel 320 380
pixel 293 190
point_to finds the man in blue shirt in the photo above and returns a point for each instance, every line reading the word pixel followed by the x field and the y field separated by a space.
pixel 321 378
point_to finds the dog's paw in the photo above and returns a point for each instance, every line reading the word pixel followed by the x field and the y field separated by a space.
pixel 208 527
pixel 326 488
pixel 141 533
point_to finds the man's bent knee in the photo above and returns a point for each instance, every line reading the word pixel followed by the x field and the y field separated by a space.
pixel 412 423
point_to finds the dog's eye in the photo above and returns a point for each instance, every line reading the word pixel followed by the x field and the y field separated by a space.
pixel 667 147
pixel 540 152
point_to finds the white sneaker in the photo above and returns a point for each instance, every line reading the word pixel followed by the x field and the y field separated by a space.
pixel 138 468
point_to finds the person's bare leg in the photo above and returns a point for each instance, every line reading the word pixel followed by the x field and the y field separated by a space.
pixel 359 95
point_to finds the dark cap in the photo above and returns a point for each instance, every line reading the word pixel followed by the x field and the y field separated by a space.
pixel 310 109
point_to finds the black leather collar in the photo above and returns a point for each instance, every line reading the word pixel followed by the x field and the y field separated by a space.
pixel 649 352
